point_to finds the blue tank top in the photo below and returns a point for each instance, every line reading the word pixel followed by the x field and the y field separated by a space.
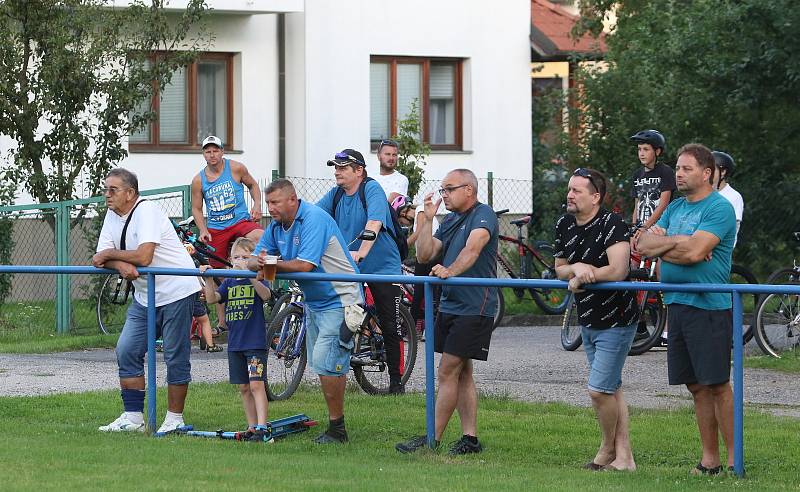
pixel 224 198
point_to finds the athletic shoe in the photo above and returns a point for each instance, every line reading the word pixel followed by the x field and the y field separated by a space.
pixel 329 438
pixel 414 444
pixel 122 424
pixel 168 427
pixel 397 388
pixel 465 446
pixel 257 436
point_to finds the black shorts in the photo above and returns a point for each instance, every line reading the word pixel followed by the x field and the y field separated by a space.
pixel 247 365
pixel 467 337
pixel 198 307
pixel 699 345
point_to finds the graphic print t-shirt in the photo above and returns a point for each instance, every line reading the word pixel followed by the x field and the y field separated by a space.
pixel 244 315
pixel 588 243
pixel 648 186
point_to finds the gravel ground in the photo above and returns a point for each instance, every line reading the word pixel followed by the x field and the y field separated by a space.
pixel 526 363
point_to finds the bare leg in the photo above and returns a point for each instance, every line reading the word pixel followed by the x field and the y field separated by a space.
pixel 259 394
pixel 205 328
pixel 622 441
pixel 136 383
pixel 723 411
pixel 607 410
pixel 450 368
pixel 249 405
pixel 467 400
pixel 333 389
pixel 706 423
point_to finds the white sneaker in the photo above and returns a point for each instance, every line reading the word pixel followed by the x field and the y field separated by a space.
pixel 122 424
pixel 169 426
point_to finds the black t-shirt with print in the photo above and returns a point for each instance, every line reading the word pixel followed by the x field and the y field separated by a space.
pixel 588 243
pixel 648 186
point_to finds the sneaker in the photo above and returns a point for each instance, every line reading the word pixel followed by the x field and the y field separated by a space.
pixel 397 388
pixel 257 435
pixel 464 446
pixel 214 348
pixel 414 444
pixel 122 424
pixel 329 438
pixel 662 342
pixel 169 427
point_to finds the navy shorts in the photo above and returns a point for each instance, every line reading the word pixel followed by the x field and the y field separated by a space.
pixel 198 307
pixel 247 365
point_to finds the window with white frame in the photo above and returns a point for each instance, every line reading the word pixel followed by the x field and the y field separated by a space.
pixel 435 83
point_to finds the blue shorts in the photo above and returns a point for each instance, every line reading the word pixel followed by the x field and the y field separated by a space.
pixel 198 307
pixel 247 365
pixel 606 351
pixel 173 321
pixel 326 355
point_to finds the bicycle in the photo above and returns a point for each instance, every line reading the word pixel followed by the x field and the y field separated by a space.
pixel 778 315
pixel 535 262
pixel 114 295
pixel 286 351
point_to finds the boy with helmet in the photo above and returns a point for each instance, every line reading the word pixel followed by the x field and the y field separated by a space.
pixel 725 167
pixel 654 182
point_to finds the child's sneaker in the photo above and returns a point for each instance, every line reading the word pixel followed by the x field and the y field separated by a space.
pixel 122 424
pixel 258 435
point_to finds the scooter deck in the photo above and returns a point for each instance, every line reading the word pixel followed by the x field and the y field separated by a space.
pixel 275 428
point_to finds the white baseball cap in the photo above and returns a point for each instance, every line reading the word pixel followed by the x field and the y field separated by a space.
pixel 212 140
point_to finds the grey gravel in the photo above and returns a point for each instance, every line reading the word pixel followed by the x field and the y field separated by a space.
pixel 525 363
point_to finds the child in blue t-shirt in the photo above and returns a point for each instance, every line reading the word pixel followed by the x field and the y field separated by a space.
pixel 247 341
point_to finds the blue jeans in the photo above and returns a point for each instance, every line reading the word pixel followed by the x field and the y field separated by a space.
pixel 606 351
pixel 173 320
pixel 325 354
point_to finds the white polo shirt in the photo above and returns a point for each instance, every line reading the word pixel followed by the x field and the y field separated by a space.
pixel 150 224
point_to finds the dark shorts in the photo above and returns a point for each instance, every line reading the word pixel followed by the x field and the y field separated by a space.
pixel 247 365
pixel 198 307
pixel 467 337
pixel 698 345
pixel 222 239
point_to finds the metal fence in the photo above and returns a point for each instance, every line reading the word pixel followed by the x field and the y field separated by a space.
pixel 65 233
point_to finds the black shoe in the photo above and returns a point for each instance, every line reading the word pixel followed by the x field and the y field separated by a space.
pixel 397 388
pixel 465 446
pixel 257 435
pixel 414 444
pixel 328 437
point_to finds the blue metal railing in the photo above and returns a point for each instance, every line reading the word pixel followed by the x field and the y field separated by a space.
pixel 735 289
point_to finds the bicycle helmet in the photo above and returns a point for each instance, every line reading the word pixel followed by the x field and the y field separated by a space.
pixel 652 137
pixel 724 161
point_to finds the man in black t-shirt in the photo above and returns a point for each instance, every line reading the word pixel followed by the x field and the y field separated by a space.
pixel 654 182
pixel 592 246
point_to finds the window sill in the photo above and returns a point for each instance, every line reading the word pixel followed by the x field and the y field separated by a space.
pixel 198 150
pixel 436 151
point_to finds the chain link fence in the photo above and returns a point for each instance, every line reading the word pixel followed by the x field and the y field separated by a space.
pixel 64 234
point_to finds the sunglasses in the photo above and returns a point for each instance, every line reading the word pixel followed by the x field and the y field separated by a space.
pixel 347 157
pixel 584 173
pixel 390 143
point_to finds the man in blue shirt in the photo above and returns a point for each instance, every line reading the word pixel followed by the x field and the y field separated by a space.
pixel 694 239
pixel 346 204
pixel 308 240
pixel 466 245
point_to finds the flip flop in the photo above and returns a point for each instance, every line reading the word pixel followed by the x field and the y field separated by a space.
pixel 592 466
pixel 612 468
pixel 702 470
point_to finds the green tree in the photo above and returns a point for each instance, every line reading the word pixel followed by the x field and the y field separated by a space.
pixel 723 73
pixel 73 78
pixel 413 151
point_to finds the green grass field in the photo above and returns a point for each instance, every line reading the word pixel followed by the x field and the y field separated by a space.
pixel 789 362
pixel 52 443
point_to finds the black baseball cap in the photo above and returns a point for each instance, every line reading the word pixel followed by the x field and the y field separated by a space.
pixel 347 157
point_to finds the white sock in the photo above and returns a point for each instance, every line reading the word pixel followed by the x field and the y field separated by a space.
pixel 173 417
pixel 135 417
pixel 663 335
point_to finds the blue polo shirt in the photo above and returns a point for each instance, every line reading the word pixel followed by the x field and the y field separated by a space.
pixel 313 237
pixel 383 258
pixel 712 214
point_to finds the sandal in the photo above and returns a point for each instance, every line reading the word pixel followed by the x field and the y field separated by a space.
pixel 702 470
pixel 214 348
pixel 217 331
pixel 593 466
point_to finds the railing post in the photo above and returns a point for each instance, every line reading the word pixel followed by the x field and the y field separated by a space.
pixel 738 385
pixel 186 196
pixel 430 386
pixel 151 352
pixel 62 259
pixel 490 189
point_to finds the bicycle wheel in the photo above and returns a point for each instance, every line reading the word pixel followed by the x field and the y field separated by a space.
pixel 369 367
pixel 570 329
pixel 778 324
pixel 741 275
pixel 501 308
pixel 551 301
pixel 286 353
pixel 112 304
pixel 280 303
pixel 652 319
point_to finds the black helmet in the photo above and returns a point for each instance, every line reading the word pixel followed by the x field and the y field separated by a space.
pixel 652 137
pixel 725 161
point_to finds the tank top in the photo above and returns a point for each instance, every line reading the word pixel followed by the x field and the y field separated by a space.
pixel 224 199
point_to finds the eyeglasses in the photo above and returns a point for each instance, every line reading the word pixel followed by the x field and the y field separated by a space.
pixel 450 189
pixel 348 157
pixel 113 190
pixel 583 173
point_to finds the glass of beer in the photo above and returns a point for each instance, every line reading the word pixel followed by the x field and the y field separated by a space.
pixel 270 268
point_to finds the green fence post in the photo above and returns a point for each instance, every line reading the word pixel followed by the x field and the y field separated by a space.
pixel 63 310
pixel 186 194
pixel 274 175
pixel 490 189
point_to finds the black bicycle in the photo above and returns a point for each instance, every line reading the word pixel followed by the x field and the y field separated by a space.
pixel 778 315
